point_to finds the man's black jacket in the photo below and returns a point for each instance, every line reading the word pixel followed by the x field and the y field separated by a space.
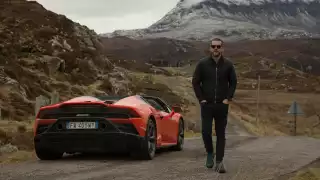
pixel 213 81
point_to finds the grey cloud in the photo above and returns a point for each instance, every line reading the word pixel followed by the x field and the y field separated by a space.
pixel 109 15
pixel 110 8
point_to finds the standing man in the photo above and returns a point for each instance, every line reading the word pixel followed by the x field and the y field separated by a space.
pixel 214 83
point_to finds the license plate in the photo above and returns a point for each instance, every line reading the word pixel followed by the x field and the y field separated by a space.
pixel 82 125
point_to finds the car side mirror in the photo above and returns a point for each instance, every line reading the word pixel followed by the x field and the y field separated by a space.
pixel 176 108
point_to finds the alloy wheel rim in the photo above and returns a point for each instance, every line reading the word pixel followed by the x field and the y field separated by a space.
pixel 181 134
pixel 151 138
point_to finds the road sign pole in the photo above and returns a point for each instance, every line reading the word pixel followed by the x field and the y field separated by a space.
pixel 295 110
pixel 294 118
pixel 258 99
pixel 295 124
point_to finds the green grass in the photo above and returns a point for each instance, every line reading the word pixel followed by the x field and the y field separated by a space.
pixel 191 134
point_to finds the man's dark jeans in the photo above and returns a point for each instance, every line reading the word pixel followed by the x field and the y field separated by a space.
pixel 218 113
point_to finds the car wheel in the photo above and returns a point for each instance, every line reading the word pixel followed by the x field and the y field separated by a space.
pixel 180 138
pixel 44 154
pixel 149 144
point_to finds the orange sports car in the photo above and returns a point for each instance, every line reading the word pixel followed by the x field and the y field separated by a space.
pixel 136 124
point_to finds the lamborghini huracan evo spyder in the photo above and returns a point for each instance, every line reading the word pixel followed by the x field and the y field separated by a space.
pixel 136 124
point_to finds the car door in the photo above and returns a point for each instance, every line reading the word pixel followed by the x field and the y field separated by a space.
pixel 161 122
pixel 165 125
pixel 168 121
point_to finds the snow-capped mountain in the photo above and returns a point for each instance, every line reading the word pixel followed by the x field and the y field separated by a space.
pixel 234 20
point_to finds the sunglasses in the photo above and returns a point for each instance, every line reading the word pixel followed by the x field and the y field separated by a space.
pixel 216 46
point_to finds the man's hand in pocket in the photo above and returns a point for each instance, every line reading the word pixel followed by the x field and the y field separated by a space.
pixel 225 101
pixel 203 101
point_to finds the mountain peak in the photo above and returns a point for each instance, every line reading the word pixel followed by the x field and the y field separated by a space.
pixel 190 3
pixel 235 20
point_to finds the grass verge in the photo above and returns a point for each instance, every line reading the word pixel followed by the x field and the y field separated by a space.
pixel 16 157
pixel 309 172
pixel 191 134
pixel 16 143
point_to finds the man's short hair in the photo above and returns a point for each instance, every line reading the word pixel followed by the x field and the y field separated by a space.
pixel 217 39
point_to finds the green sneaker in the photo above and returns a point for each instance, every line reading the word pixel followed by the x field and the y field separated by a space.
pixel 210 162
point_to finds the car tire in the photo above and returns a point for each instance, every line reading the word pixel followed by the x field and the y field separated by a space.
pixel 44 154
pixel 180 138
pixel 149 143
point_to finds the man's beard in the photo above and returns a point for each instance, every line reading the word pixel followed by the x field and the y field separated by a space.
pixel 216 54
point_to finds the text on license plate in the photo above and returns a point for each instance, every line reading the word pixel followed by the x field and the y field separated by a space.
pixel 82 125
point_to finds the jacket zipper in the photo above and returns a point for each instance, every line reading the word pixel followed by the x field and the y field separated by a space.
pixel 215 90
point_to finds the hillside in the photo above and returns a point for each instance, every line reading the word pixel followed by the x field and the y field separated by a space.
pixel 42 52
pixel 301 54
pixel 283 80
pixel 234 20
pixel 159 52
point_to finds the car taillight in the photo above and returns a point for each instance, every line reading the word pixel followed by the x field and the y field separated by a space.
pixel 48 113
pixel 42 128
pixel 121 113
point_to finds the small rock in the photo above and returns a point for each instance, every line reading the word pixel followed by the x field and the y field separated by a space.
pixel 8 148
pixel 67 46
pixel 53 64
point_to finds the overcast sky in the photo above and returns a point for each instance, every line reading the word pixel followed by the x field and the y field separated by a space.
pixel 109 15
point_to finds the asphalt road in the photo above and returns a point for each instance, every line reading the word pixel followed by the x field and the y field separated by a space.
pixel 247 157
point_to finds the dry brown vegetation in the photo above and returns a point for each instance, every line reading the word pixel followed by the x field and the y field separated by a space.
pixel 283 65
pixel 273 118
pixel 279 88
pixel 159 52
pixel 42 52
pixel 16 141
pixel 273 106
pixel 296 53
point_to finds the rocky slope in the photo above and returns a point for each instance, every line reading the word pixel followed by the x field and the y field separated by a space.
pixel 234 20
pixel 42 52
pixel 158 52
pixel 300 54
pixel 285 65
